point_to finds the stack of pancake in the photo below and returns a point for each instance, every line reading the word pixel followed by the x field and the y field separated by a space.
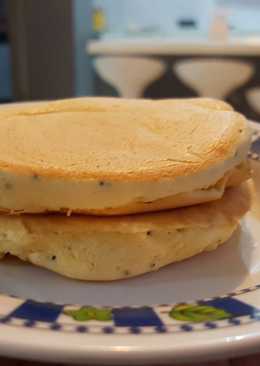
pixel 108 188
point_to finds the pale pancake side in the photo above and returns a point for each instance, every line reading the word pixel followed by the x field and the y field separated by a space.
pixel 95 248
pixel 34 195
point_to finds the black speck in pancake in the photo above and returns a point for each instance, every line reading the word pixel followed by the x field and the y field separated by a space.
pixel 8 186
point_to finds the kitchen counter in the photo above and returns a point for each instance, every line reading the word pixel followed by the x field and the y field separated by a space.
pixel 168 46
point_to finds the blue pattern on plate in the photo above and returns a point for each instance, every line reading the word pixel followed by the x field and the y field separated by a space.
pixel 210 325
pixel 33 310
pixel 231 305
pixel 187 328
pixel 108 330
pixel 82 329
pixel 136 317
pixel 234 321
pixel 56 326
pixel 131 320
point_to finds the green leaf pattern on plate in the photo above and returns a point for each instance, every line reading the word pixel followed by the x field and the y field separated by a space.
pixel 86 313
pixel 198 313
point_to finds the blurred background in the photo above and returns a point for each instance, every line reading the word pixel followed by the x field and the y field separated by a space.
pixel 133 48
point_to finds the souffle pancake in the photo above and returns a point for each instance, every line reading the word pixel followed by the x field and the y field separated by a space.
pixel 111 156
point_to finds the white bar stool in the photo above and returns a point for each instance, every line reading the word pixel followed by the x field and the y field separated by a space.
pixel 253 98
pixel 214 78
pixel 129 75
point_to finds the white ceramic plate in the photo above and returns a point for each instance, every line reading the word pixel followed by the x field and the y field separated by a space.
pixel 209 307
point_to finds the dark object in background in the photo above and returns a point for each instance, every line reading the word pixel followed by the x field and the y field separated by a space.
pixel 3 30
pixel 41 35
pixel 3 33
pixel 187 23
pixel 5 68
pixel 3 22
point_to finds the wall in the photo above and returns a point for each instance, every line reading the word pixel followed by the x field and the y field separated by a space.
pixel 164 13
pixel 243 15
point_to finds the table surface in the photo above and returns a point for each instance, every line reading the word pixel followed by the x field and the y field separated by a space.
pixel 242 361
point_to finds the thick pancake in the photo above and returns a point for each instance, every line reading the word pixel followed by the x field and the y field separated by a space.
pixel 109 103
pixel 113 156
pixel 110 248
